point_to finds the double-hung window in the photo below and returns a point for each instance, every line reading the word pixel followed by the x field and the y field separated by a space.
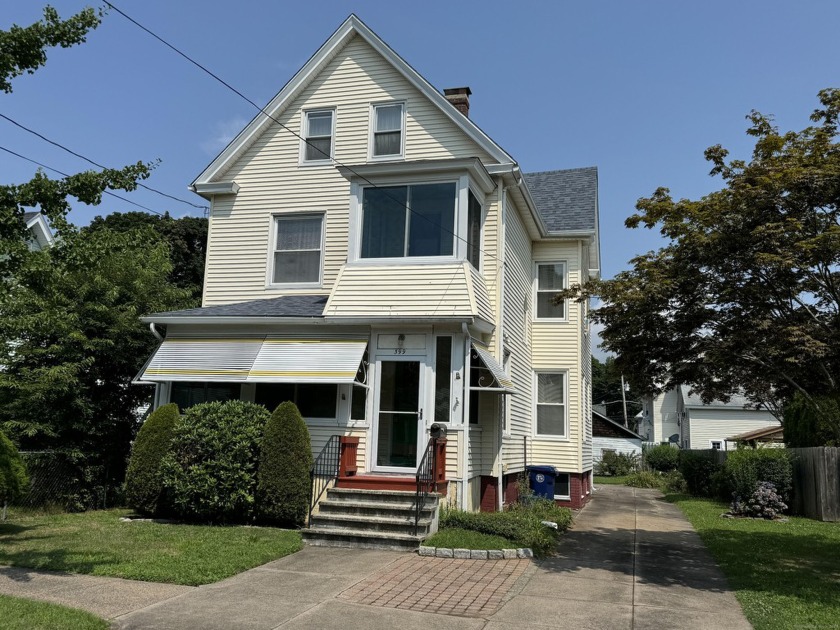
pixel 551 404
pixel 408 221
pixel 318 136
pixel 387 130
pixel 550 280
pixel 298 241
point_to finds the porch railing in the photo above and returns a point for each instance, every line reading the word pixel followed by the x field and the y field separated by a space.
pixel 426 480
pixel 324 470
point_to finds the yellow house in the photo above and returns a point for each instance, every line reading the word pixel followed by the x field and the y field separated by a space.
pixel 375 257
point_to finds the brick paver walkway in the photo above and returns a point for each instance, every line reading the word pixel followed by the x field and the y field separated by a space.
pixel 468 588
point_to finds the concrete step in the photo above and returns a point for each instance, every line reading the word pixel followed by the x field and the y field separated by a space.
pixel 403 524
pixel 384 509
pixel 394 497
pixel 361 539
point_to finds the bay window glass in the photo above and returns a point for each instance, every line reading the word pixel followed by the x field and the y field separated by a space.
pixel 473 231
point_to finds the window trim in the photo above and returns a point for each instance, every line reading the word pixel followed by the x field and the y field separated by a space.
pixel 719 448
pixel 304 135
pixel 536 291
pixel 565 404
pixel 372 131
pixel 272 250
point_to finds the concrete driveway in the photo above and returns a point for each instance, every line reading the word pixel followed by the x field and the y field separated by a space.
pixel 631 561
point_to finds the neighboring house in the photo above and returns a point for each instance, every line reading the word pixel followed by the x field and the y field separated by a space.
pixel 608 435
pixel 394 271
pixel 680 417
pixel 766 437
pixel 41 236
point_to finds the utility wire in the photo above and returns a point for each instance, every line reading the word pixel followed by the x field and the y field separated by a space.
pixel 88 160
pixel 55 170
pixel 283 126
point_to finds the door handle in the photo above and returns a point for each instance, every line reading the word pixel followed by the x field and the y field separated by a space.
pixel 420 414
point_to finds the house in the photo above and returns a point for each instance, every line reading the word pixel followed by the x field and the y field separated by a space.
pixel 40 235
pixel 609 435
pixel 772 436
pixel 376 258
pixel 680 417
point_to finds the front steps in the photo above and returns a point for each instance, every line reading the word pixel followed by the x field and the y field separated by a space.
pixel 371 519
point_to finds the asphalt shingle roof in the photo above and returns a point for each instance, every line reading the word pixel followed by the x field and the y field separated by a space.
pixel 286 306
pixel 567 200
pixel 736 401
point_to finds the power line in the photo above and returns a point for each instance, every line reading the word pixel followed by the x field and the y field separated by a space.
pixel 88 160
pixel 55 170
pixel 283 126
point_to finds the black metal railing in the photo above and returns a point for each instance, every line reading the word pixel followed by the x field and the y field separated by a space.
pixel 425 480
pixel 324 470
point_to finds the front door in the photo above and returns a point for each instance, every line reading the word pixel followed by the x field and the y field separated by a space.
pixel 399 415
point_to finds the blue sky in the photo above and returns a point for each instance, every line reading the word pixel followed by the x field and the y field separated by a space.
pixel 638 89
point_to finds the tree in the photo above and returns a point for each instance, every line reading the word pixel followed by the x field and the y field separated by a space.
pixel 23 50
pixel 144 478
pixel 746 293
pixel 606 388
pixel 13 479
pixel 186 238
pixel 71 342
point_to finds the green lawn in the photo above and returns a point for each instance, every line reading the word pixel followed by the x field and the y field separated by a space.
pixel 456 538
pixel 786 575
pixel 616 481
pixel 98 543
pixel 25 614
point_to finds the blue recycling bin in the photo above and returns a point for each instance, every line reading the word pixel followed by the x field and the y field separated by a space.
pixel 541 479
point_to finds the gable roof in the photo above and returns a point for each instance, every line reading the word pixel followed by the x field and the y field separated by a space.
pixel 36 222
pixel 350 28
pixel 615 425
pixel 567 200
pixel 736 401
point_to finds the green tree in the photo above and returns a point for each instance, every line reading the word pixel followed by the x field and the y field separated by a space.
pixel 283 488
pixel 746 292
pixel 13 479
pixel 144 479
pixel 71 342
pixel 186 238
pixel 606 388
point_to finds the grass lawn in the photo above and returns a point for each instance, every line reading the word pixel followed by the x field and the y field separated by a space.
pixel 786 575
pixel 98 543
pixel 25 614
pixel 456 538
pixel 615 481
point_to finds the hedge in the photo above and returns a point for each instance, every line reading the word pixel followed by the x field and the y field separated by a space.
pixel 143 478
pixel 283 485
pixel 662 457
pixel 744 469
pixel 701 473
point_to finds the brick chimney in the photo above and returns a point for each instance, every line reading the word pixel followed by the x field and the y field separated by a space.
pixel 460 98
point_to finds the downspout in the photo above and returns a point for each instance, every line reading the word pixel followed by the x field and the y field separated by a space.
pixel 155 332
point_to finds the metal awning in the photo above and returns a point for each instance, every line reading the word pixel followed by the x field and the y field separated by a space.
pixel 493 378
pixel 260 359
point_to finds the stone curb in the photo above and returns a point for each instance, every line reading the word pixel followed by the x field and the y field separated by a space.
pixel 475 554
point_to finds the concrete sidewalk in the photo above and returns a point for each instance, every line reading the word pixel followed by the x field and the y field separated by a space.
pixel 631 561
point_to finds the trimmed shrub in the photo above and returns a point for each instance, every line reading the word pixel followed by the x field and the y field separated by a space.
pixel 211 468
pixel 283 486
pixel 644 479
pixel 13 479
pixel 143 479
pixel 701 473
pixel 765 502
pixel 812 424
pixel 674 483
pixel 662 457
pixel 614 464
pixel 745 468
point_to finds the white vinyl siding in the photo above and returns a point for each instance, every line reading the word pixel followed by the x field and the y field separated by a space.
pixel 271 179
pixel 706 425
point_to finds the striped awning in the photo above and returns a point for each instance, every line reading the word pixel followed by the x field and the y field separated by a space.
pixel 500 381
pixel 262 359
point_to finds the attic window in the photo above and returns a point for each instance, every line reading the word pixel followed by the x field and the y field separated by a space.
pixel 387 130
pixel 318 134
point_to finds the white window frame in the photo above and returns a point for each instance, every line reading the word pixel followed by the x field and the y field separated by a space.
pixel 372 131
pixel 304 134
pixel 712 445
pixel 564 404
pixel 564 497
pixel 272 249
pixel 534 316
pixel 507 366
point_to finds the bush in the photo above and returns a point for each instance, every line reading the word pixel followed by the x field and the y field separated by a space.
pixel 745 468
pixel 13 480
pixel 662 457
pixel 644 479
pixel 143 479
pixel 701 473
pixel 814 423
pixel 283 486
pixel 614 464
pixel 674 483
pixel 765 502
pixel 522 524
pixel 211 468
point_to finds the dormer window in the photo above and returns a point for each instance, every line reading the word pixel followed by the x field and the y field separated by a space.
pixel 387 126
pixel 318 136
